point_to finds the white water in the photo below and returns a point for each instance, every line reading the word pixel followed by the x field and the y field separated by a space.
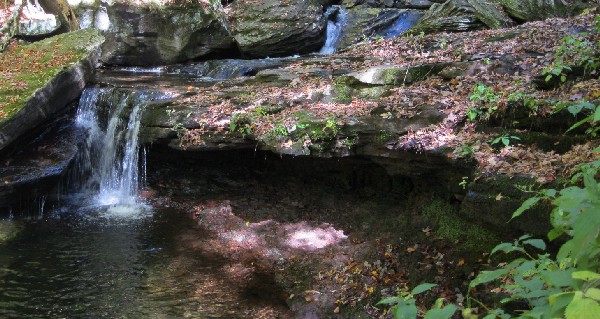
pixel 334 28
pixel 109 159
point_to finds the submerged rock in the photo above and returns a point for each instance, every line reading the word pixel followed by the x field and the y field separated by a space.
pixel 278 28
pixel 151 34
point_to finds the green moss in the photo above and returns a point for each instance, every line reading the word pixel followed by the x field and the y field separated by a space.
pixel 468 235
pixel 27 68
pixel 343 93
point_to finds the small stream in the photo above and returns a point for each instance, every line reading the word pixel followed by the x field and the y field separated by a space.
pixel 119 241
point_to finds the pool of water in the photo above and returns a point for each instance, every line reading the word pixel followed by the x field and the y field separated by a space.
pixel 123 262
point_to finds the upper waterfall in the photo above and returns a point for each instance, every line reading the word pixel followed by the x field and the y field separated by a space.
pixel 336 19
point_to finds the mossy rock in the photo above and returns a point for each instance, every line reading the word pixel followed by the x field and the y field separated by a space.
pixel 51 74
pixel 469 235
pixel 491 201
pixel 394 75
pixel 530 10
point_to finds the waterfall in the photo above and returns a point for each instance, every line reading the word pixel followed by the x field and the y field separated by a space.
pixel 336 20
pixel 406 21
pixel 108 160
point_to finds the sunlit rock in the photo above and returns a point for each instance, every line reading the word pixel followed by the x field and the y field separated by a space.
pixel 277 28
pixel 156 32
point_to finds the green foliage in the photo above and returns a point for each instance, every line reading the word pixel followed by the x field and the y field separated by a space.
pixel 591 112
pixel 577 50
pixel 563 286
pixel 242 124
pixel 505 139
pixel 487 102
pixel 464 150
pixel 403 305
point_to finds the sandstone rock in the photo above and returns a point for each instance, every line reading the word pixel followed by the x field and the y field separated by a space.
pixel 394 75
pixel 462 15
pixel 529 10
pixel 35 21
pixel 64 88
pixel 278 28
pixel 149 34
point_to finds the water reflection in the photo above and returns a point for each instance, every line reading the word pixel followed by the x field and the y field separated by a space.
pixel 120 263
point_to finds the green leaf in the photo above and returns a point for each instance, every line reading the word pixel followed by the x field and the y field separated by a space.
pixel 405 311
pixel 537 243
pixel 390 300
pixel 597 114
pixel 586 275
pixel 558 278
pixel 422 288
pixel 443 313
pixel 555 233
pixel 548 77
pixel 530 202
pixel 503 247
pixel 487 276
pixel 582 308
pixel 593 293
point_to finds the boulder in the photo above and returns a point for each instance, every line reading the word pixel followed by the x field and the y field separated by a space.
pixel 529 10
pixel 277 28
pixel 54 96
pixel 149 34
pixel 34 21
pixel 462 15
pixel 63 12
pixel 363 21
pixel 393 75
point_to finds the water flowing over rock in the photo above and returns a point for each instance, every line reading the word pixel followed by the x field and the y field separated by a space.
pixel 149 34
pixel 364 22
pixel 336 21
pixel 462 15
pixel 278 28
pixel 109 159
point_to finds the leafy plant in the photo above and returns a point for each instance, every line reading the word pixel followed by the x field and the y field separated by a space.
pixel 465 150
pixel 487 102
pixel 577 50
pixel 241 123
pixel 404 304
pixel 564 286
pixel 504 139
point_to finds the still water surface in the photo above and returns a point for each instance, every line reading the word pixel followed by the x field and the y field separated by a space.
pixel 123 262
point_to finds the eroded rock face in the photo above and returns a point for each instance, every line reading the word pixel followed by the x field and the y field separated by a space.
pixel 462 15
pixel 151 34
pixel 278 28
pixel 529 10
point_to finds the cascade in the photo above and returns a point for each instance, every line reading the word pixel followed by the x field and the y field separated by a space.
pixel 406 21
pixel 108 163
pixel 336 20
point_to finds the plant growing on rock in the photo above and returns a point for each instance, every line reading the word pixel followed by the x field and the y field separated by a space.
pixel 578 50
pixel 487 102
